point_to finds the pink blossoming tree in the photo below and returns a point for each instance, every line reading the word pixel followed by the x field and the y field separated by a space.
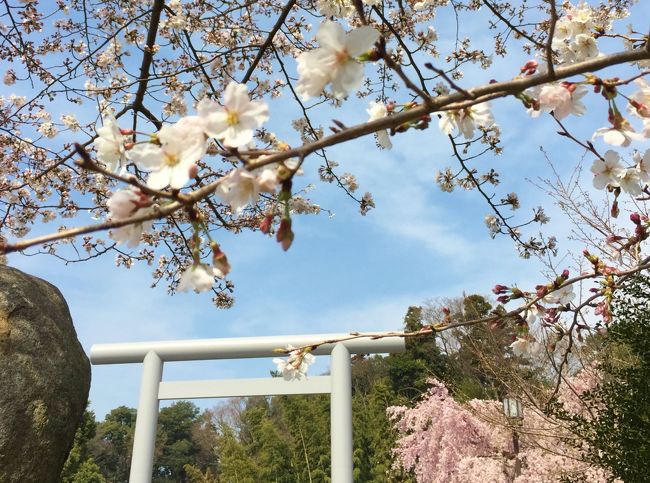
pixel 442 440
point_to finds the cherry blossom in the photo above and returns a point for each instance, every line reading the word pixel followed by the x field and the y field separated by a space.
pixel 444 441
pixel 240 187
pixel 175 149
pixel 199 277
pixel 525 346
pixel 378 110
pixel 110 143
pixel 125 202
pixel 335 61
pixel 561 296
pixel 296 365
pixel 643 165
pixel 640 100
pixel 235 122
pixel 466 120
pixel 620 134
pixel 563 99
pixel 630 181
pixel 131 234
pixel 607 171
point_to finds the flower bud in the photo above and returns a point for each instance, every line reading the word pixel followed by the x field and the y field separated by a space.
pixel 193 171
pixel 529 67
pixel 499 289
pixel 635 218
pixel 219 261
pixel 265 226
pixel 284 235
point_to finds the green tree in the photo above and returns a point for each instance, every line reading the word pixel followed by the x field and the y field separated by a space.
pixel 113 443
pixel 617 432
pixel 408 372
pixel 80 466
pixel 175 444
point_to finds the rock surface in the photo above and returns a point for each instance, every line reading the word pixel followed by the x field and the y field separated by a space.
pixel 44 379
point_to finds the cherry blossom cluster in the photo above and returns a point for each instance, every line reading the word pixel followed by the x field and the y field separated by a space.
pixel 171 158
pixel 371 52
pixel 295 366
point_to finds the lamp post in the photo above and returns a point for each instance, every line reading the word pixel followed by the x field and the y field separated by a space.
pixel 514 411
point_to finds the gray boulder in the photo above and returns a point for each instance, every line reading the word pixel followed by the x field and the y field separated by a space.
pixel 44 379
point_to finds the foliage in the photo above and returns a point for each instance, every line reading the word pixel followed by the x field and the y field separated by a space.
pixel 80 466
pixel 616 430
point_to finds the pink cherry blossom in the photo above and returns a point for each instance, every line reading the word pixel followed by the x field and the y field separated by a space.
pixel 563 100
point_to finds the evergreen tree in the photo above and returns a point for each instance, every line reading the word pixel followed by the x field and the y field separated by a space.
pixel 617 432
pixel 176 447
pixel 80 466
pixel 113 444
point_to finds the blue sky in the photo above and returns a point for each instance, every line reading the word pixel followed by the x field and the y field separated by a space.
pixel 345 273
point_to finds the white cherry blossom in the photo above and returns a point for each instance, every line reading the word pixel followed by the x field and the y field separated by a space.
pixel 607 171
pixel 125 202
pixel 642 100
pixel 131 234
pixel 110 143
pixel 561 296
pixel 643 165
pixel 296 365
pixel 630 181
pixel 240 187
pixel 334 61
pixel 335 8
pixel 584 47
pixel 235 122
pixel 179 146
pixel 378 110
pixel 466 120
pixel 621 135
pixel 199 278
pixel 525 346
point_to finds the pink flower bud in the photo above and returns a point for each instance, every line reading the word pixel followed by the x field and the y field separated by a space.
pixel 529 67
pixel 565 274
pixel 611 239
pixel 635 218
pixel 284 235
pixel 193 171
pixel 265 226
pixel 570 86
pixel 220 261
pixel 499 289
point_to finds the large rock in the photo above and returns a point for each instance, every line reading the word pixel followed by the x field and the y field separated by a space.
pixel 44 379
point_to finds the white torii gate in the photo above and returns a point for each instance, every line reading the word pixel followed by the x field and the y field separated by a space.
pixel 153 389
